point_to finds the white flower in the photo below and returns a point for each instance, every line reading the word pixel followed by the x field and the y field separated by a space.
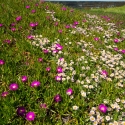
pixel 117 100
pixel 115 123
pixel 86 86
pixel 83 93
pixel 75 107
pixel 92 112
pixel 107 118
pixel 82 82
pixel 92 118
pixel 87 80
pixel 91 86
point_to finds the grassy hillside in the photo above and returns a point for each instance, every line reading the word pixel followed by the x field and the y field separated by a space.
pixel 60 65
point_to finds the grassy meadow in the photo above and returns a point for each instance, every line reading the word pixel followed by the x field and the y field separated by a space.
pixel 61 66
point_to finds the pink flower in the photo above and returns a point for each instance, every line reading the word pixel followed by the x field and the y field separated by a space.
pixel 123 51
pixel 33 11
pixel 7 41
pixel 67 26
pixel 4 94
pixel 18 18
pixel 63 8
pixel 40 59
pixel 57 98
pixel 2 62
pixel 35 84
pixel 56 23
pixel 1 24
pixel 13 86
pixel 96 38
pixel 43 105
pixel 58 78
pixel 75 23
pixel 60 31
pixel 30 37
pixel 30 116
pixel 13 24
pixel 116 40
pixel 47 7
pixel 13 29
pixel 59 69
pixel 24 78
pixel 104 72
pixel 69 91
pixel 45 51
pixel 27 6
pixel 55 51
pixel 33 24
pixel 116 49
pixel 48 69
pixel 103 108
pixel 59 47
pixel 61 59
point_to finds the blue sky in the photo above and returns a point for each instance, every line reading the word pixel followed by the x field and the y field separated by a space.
pixel 90 0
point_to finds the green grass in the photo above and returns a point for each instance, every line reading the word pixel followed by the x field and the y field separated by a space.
pixel 87 49
pixel 119 10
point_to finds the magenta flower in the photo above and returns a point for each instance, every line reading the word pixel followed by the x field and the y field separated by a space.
pixel 69 91
pixel 56 23
pixel 75 23
pixel 123 51
pixel 24 78
pixel 45 51
pixel 18 18
pixel 61 59
pixel 33 11
pixel 58 78
pixel 63 8
pixel 13 29
pixel 55 51
pixel 21 111
pixel 43 105
pixel 30 116
pixel 60 31
pixel 36 4
pixel 4 94
pixel 35 84
pixel 7 41
pixel 2 62
pixel 116 40
pixel 103 108
pixel 40 59
pixel 48 69
pixel 96 38
pixel 33 24
pixel 57 98
pixel 30 37
pixel 67 26
pixel 104 72
pixel 1 24
pixel 116 49
pixel 59 69
pixel 27 6
pixel 13 86
pixel 13 24
pixel 47 7
pixel 59 47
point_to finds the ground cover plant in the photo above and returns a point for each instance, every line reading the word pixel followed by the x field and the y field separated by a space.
pixel 60 65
